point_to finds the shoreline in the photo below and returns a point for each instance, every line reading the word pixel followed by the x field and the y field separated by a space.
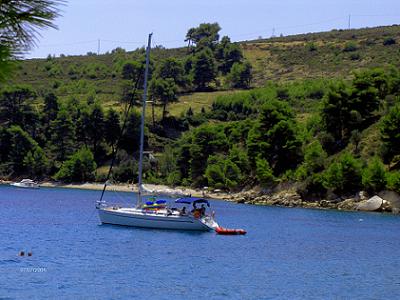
pixel 390 200
pixel 125 187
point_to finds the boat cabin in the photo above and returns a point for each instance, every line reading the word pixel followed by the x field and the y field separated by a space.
pixel 196 211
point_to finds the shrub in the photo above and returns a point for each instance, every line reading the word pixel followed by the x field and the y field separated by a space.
pixel 233 174
pixel 343 175
pixel 36 162
pixel 80 167
pixel 311 47
pixel 126 171
pixel 393 181
pixel 173 178
pixel 240 75
pixel 313 186
pixel 16 146
pixel 374 176
pixel 390 133
pixel 264 172
pixel 389 41
pixel 350 47
pixel 215 171
pixel 355 56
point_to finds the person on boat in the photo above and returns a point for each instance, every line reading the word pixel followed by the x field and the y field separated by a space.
pixel 194 208
pixel 183 211
pixel 202 210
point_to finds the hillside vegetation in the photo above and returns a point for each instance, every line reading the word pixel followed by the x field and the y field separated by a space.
pixel 319 110
pixel 307 56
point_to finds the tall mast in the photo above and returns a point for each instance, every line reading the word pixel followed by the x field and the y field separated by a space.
pixel 146 74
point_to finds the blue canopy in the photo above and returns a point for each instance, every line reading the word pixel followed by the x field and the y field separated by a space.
pixel 161 201
pixel 190 200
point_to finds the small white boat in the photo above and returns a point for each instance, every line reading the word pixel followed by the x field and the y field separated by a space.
pixel 26 183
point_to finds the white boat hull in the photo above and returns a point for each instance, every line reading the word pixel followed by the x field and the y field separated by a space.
pixel 138 218
pixel 25 186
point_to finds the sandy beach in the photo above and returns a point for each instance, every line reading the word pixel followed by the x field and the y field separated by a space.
pixel 125 187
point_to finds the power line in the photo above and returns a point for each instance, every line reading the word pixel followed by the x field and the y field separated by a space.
pixel 123 42
pixel 376 15
pixel 258 32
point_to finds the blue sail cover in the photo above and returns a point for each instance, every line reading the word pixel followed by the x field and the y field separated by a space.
pixel 190 200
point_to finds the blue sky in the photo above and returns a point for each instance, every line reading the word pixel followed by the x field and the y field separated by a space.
pixel 126 23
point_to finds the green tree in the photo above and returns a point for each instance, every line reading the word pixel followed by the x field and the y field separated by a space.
pixel 50 111
pixel 240 75
pixel 15 106
pixel 238 155
pixel 128 94
pixel 127 168
pixel 165 91
pixel 79 168
pixel 393 181
pixel 343 175
pixel 36 162
pixel 223 44
pixel 131 135
pixel 336 114
pixel 390 133
pixel 20 145
pixel 62 136
pixel 207 140
pixel 132 70
pixel 171 68
pixel 375 78
pixel 348 108
pixel 274 137
pixel 264 173
pixel 314 160
pixel 19 25
pixel 5 146
pixel 96 129
pixel 82 127
pixel 374 176
pixel 112 128
pixel 183 155
pixel 204 69
pixel 233 174
pixel 214 172
pixel 228 54
pixel 206 35
pixel 167 163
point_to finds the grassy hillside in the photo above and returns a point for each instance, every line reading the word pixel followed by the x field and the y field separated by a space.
pixel 326 54
pixel 333 54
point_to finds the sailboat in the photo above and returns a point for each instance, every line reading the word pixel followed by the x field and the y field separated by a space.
pixel 153 212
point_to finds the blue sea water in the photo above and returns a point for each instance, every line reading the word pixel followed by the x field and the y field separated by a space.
pixel 287 253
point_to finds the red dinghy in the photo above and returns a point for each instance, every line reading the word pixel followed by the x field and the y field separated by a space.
pixel 226 231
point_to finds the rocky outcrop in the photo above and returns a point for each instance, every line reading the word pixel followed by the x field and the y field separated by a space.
pixel 389 201
pixel 347 204
pixel 372 204
pixel 289 199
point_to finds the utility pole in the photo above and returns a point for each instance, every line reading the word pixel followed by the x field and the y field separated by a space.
pixel 98 46
pixel 349 24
